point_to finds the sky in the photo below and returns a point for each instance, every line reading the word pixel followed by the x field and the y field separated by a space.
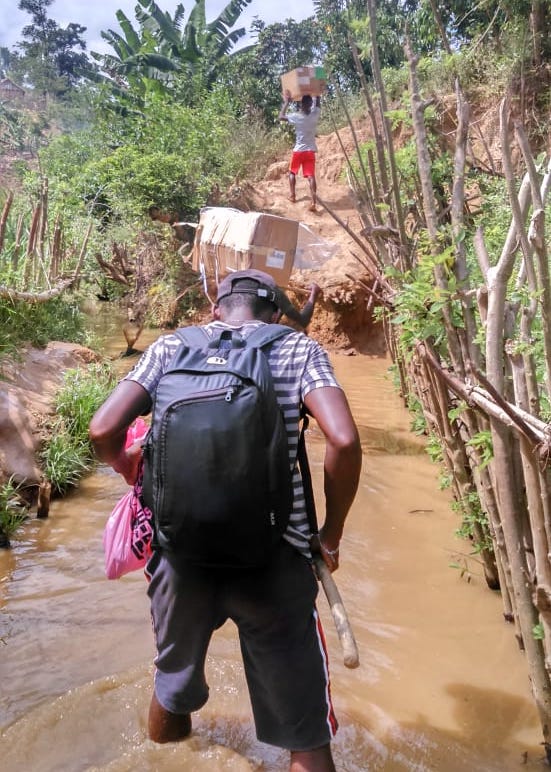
pixel 97 15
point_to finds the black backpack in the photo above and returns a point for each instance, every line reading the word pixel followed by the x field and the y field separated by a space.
pixel 217 473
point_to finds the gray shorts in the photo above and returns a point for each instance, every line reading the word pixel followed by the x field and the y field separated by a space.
pixel 282 643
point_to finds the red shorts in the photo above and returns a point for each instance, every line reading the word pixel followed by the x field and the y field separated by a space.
pixel 306 159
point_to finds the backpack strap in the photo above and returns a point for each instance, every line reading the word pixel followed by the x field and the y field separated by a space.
pixel 306 475
pixel 194 337
pixel 266 334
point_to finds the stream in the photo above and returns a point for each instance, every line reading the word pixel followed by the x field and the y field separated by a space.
pixel 441 683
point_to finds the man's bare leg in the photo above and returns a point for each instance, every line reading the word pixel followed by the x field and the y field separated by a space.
pixel 313 193
pixel 166 727
pixel 292 187
pixel 318 760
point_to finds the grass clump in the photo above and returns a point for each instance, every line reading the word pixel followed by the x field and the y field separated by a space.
pixel 13 510
pixel 68 455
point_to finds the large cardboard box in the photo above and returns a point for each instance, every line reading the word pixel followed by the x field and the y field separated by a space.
pixel 230 240
pixel 304 80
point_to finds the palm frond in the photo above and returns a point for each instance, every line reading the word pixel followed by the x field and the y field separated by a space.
pixel 131 36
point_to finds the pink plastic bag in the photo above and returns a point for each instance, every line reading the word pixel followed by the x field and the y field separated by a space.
pixel 128 531
pixel 137 431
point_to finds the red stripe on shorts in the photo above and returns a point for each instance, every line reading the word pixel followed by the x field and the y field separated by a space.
pixel 332 722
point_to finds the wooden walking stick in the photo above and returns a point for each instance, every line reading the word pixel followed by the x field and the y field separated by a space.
pixel 351 656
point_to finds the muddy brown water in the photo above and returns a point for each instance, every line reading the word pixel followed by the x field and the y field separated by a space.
pixel 441 684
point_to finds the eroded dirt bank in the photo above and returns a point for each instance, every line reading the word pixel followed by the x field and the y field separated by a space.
pixel 27 404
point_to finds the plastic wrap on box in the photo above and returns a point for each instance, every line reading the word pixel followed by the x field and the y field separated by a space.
pixel 312 250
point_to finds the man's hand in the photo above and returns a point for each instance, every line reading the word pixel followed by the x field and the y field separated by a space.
pixel 330 555
pixel 315 292
pixel 128 461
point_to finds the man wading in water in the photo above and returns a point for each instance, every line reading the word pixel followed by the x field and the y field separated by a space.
pixel 273 605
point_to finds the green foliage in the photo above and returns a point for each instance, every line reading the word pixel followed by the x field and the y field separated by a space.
pixel 147 59
pixel 171 156
pixel 435 452
pixel 13 510
pixel 253 77
pixel 84 390
pixel 68 455
pixel 419 304
pixel 65 461
pixel 20 130
pixel 418 422
pixel 538 632
pixel 482 442
pixel 337 20
pixel 474 522
pixel 37 324
pixel 48 59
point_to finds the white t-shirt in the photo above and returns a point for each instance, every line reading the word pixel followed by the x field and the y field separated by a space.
pixel 305 129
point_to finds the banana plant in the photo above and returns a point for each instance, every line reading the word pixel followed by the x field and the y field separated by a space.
pixel 150 58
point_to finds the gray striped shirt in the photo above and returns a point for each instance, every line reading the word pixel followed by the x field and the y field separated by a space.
pixel 298 364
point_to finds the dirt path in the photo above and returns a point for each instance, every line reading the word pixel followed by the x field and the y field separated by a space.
pixel 342 320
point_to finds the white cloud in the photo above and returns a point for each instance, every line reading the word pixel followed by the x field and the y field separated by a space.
pixel 100 15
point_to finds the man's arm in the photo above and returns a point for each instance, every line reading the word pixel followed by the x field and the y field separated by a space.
pixel 301 316
pixel 109 425
pixel 285 105
pixel 342 464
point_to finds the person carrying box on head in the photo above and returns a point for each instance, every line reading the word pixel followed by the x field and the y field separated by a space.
pixel 305 122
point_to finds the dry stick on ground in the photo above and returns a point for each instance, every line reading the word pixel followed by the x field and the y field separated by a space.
pixel 372 291
pixel 363 246
pixel 368 266
pixel 35 298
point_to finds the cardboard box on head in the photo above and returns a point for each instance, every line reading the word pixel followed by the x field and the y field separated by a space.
pixel 230 240
pixel 310 79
